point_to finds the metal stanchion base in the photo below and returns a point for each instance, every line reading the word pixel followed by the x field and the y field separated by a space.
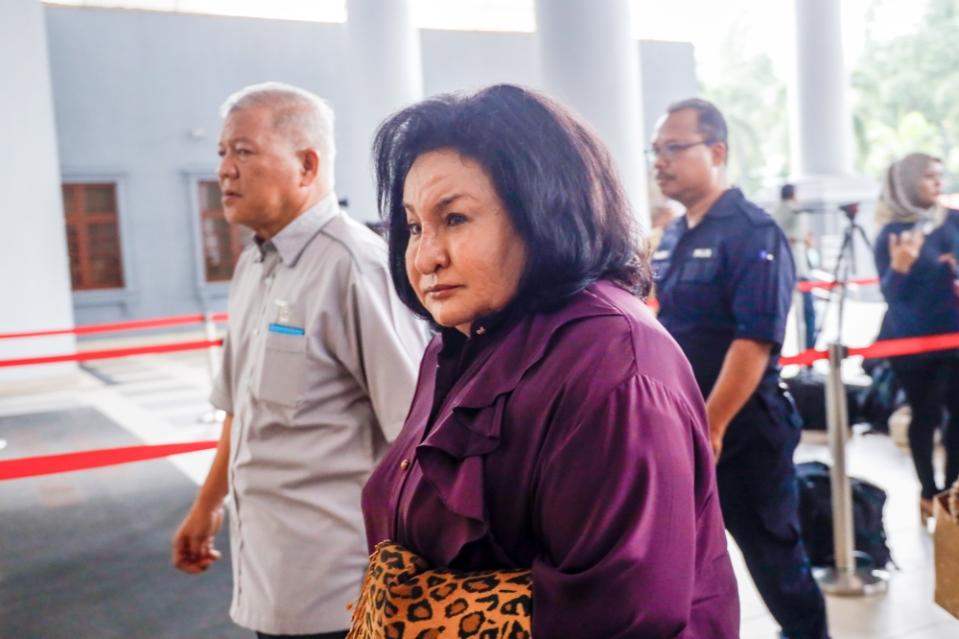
pixel 854 583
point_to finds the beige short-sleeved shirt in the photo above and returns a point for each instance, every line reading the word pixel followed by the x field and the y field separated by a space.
pixel 793 224
pixel 319 367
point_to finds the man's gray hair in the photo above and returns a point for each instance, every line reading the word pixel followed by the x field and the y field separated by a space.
pixel 301 115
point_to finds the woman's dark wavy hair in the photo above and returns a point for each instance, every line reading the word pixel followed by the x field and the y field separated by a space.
pixel 553 174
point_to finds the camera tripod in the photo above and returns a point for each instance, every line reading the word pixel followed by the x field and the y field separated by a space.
pixel 845 265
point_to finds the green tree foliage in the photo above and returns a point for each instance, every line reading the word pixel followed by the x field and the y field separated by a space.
pixel 906 92
pixel 752 96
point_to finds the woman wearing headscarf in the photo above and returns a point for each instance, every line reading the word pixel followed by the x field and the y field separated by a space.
pixel 915 258
pixel 556 428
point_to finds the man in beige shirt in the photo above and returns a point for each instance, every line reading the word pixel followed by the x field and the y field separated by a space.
pixel 319 367
pixel 791 218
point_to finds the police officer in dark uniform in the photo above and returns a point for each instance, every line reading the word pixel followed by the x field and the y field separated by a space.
pixel 724 280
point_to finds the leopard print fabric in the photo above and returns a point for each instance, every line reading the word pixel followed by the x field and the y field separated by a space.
pixel 402 598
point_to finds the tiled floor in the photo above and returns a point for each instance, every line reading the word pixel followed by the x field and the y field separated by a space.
pixel 907 609
pixel 162 398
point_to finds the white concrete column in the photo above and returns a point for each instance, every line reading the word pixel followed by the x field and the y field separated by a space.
pixel 821 123
pixel 35 289
pixel 590 62
pixel 821 133
pixel 384 74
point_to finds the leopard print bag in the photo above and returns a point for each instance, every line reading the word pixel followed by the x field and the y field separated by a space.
pixel 402 598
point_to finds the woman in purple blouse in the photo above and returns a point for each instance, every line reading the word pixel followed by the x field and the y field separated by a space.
pixel 555 426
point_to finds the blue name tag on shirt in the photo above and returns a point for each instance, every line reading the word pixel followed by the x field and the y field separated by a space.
pixel 286 330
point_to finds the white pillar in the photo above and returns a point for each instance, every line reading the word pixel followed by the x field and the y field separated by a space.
pixel 35 289
pixel 385 74
pixel 590 62
pixel 821 133
pixel 821 120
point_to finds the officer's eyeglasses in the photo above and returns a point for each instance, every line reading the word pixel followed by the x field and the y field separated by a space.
pixel 671 150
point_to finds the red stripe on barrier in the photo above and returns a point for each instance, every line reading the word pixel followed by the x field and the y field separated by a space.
pixel 68 462
pixel 885 348
pixel 111 353
pixel 115 327
pixel 908 346
pixel 807 286
pixel 805 358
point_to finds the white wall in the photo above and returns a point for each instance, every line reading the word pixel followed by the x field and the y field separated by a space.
pixel 136 96
pixel 34 277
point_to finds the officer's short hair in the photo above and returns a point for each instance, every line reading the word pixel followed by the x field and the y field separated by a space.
pixel 709 119
pixel 787 192
pixel 553 174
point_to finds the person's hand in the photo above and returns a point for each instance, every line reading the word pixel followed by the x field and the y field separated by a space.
pixel 904 250
pixel 192 544
pixel 716 440
pixel 717 430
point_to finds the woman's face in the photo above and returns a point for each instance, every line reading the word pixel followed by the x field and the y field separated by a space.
pixel 930 185
pixel 464 258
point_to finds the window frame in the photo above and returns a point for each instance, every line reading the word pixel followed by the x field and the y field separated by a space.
pixel 236 232
pixel 210 294
pixel 127 294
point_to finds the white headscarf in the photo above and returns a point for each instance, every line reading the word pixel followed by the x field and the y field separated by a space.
pixel 899 200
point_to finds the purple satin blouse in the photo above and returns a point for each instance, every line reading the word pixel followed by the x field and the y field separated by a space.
pixel 573 442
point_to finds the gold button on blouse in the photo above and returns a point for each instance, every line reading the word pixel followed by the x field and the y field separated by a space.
pixel 404 464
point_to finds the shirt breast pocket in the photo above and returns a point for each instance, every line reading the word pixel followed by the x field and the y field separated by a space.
pixel 282 371
pixel 699 271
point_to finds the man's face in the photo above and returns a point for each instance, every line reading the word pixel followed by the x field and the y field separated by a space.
pixel 686 162
pixel 260 172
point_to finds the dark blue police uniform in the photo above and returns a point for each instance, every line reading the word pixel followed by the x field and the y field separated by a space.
pixel 732 277
pixel 919 303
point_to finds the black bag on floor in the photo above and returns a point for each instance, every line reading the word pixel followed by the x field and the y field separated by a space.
pixel 882 397
pixel 815 515
pixel 808 390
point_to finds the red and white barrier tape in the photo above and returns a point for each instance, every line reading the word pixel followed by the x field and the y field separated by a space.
pixel 809 285
pixel 50 464
pixel 804 358
pixel 85 356
pixel 884 348
pixel 69 462
pixel 115 327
